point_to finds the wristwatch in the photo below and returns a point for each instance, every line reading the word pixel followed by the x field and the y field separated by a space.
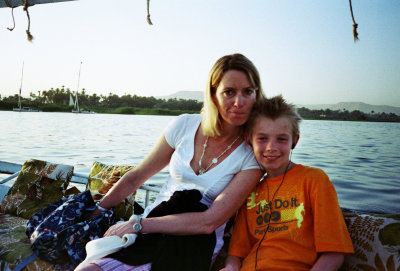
pixel 137 226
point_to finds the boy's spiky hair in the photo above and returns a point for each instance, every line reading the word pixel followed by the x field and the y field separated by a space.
pixel 274 108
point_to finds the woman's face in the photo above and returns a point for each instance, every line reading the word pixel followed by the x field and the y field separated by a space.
pixel 234 98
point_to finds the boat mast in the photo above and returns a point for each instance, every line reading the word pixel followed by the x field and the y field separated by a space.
pixel 20 88
pixel 77 89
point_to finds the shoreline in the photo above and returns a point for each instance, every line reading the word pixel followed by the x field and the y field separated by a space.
pixel 359 116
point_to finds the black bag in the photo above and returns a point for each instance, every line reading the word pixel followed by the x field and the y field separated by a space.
pixel 60 231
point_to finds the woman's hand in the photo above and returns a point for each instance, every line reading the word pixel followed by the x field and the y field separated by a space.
pixel 232 263
pixel 228 268
pixel 120 229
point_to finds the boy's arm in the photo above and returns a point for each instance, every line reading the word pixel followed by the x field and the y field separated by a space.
pixel 329 261
pixel 232 263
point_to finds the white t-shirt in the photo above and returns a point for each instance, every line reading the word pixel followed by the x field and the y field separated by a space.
pixel 180 134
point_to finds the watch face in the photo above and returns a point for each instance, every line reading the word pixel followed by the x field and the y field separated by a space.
pixel 137 227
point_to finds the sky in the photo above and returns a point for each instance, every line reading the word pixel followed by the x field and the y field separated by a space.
pixel 303 49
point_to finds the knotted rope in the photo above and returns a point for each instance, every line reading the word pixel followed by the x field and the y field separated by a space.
pixel 26 5
pixel 28 32
pixel 148 13
pixel 12 14
pixel 355 25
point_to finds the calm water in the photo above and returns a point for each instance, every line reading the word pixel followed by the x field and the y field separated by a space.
pixel 361 159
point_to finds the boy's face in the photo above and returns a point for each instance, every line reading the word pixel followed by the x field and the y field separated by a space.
pixel 272 141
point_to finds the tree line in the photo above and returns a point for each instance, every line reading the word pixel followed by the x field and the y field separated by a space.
pixel 344 114
pixel 58 100
pixel 61 96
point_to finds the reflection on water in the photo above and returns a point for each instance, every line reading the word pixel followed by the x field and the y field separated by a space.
pixel 362 159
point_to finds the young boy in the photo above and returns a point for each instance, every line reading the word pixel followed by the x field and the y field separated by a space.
pixel 292 219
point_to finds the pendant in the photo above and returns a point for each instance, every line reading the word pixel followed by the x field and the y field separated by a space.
pixel 201 171
pixel 215 160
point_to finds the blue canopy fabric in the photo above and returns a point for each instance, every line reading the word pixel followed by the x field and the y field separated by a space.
pixel 17 3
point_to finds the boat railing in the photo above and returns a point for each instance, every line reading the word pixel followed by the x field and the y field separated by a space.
pixel 13 170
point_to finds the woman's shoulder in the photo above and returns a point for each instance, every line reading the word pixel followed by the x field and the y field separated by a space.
pixel 181 127
pixel 243 149
pixel 184 118
pixel 244 156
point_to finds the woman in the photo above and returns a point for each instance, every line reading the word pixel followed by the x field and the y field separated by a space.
pixel 204 152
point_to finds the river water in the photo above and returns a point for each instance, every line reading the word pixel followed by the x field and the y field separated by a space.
pixel 362 159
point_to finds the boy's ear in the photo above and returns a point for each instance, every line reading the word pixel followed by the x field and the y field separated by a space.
pixel 248 141
pixel 295 141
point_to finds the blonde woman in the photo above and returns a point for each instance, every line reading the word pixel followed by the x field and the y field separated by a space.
pixel 205 152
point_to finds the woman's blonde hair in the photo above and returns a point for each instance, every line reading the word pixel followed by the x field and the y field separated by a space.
pixel 211 122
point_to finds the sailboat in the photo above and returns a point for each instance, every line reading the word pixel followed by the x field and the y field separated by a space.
pixel 76 104
pixel 20 108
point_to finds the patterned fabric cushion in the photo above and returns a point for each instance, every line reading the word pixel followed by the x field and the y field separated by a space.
pixel 15 246
pixel 102 177
pixel 376 241
pixel 38 185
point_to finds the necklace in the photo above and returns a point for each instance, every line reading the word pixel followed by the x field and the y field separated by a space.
pixel 215 159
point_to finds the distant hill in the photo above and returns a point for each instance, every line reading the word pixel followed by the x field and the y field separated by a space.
pixel 349 106
pixel 186 95
pixel 352 106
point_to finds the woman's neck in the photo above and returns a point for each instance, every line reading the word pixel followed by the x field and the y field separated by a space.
pixel 229 132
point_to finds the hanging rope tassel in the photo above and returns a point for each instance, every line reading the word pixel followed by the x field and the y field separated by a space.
pixel 148 13
pixel 28 32
pixel 355 25
pixel 12 14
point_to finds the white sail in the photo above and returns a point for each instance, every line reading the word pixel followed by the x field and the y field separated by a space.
pixel 20 88
pixel 71 100
pixel 20 108
pixel 76 104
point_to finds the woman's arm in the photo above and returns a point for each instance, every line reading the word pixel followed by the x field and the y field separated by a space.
pixel 329 261
pixel 157 159
pixel 223 207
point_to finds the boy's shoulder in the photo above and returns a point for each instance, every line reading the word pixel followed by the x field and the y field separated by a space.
pixel 312 174
pixel 308 170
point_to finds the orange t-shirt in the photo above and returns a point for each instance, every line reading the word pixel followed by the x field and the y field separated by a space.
pixel 305 219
